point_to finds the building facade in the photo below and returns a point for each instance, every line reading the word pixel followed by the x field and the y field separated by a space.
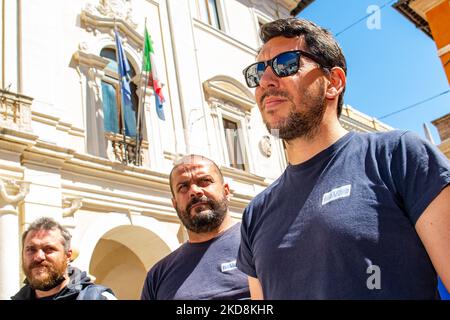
pixel 443 126
pixel 433 18
pixel 62 148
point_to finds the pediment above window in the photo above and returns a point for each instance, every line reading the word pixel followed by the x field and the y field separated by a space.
pixel 228 89
pixel 90 60
pixel 107 14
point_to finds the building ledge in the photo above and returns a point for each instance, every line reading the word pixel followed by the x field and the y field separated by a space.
pixel 404 7
pixel 301 5
pixel 445 147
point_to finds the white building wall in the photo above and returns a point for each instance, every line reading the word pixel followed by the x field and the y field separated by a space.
pixel 9 70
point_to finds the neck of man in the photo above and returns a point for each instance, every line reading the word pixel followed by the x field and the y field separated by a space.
pixel 53 291
pixel 302 149
pixel 227 223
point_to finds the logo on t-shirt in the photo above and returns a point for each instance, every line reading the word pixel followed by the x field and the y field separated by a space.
pixel 337 193
pixel 228 266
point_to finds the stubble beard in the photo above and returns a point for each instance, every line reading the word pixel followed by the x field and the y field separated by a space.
pixel 205 220
pixel 299 124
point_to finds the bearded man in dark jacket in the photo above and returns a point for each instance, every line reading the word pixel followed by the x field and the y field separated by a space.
pixel 46 254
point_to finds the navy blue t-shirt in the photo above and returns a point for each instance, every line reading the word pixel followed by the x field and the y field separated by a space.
pixel 199 271
pixel 341 225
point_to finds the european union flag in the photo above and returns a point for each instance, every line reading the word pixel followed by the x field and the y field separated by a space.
pixel 129 115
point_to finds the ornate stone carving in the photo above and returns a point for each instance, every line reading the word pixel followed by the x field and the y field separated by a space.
pixel 116 9
pixel 127 152
pixel 15 111
pixel 265 146
pixel 8 203
pixel 75 204
pixel 83 46
pixel 213 111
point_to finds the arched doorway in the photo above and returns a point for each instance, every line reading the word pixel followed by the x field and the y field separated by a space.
pixel 122 258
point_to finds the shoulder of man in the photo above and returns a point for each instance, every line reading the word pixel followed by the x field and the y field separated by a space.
pixel 25 293
pixel 96 292
pixel 385 138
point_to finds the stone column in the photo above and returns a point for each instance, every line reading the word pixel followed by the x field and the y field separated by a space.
pixel 10 251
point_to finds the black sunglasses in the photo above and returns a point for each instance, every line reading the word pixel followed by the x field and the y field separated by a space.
pixel 283 65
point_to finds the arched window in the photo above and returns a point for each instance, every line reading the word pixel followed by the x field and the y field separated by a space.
pixel 117 118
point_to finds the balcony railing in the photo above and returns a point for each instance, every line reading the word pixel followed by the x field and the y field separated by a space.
pixel 126 151
pixel 15 111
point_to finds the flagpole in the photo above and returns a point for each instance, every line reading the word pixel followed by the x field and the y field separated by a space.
pixel 125 158
pixel 141 104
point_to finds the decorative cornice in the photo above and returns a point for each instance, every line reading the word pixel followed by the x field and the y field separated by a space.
pixel 105 169
pixel 89 60
pixel 47 155
pixel 72 163
pixel 146 208
pixel 57 123
pixel 106 25
pixel 229 89
pixel 360 121
pixel 445 147
pixel 240 200
pixel 16 141
pixel 243 176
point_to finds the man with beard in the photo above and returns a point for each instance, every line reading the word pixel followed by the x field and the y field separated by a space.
pixel 46 254
pixel 205 266
pixel 354 215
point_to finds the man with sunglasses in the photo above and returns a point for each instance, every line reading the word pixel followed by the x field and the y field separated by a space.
pixel 354 215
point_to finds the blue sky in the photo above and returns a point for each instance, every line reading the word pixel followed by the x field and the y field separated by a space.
pixel 389 68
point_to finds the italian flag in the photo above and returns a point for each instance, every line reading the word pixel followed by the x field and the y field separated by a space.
pixel 153 79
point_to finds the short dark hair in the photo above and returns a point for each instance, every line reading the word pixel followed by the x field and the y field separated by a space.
pixel 47 223
pixel 190 159
pixel 319 41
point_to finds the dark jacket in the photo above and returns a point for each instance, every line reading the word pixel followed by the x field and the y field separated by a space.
pixel 79 287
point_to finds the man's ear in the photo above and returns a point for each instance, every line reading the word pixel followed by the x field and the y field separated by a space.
pixel 69 255
pixel 337 83
pixel 174 203
pixel 226 190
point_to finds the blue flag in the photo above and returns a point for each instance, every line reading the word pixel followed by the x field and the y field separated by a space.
pixel 129 114
pixel 159 108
